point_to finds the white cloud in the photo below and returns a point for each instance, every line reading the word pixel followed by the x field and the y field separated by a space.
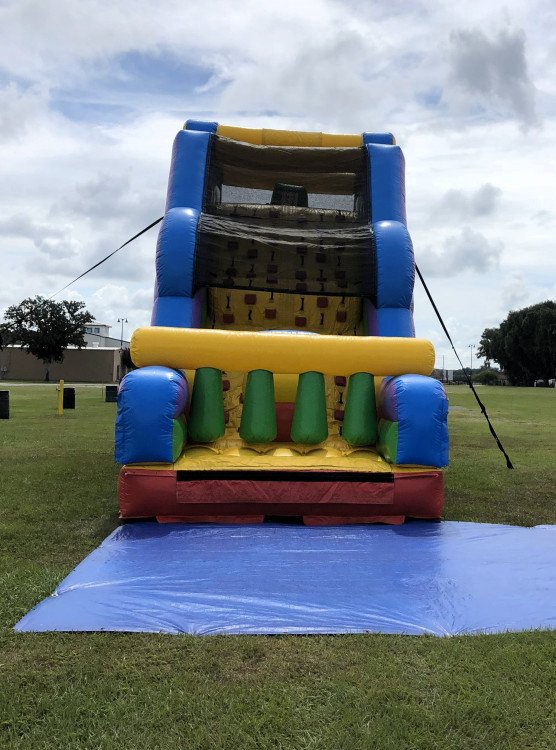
pixel 494 71
pixel 114 301
pixel 54 240
pixel 468 251
pixel 19 109
pixel 515 292
pixel 462 205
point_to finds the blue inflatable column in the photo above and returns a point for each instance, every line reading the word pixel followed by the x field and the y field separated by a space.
pixel 177 303
pixel 390 314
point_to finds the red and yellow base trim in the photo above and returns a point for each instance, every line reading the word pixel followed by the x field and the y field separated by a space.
pixel 249 496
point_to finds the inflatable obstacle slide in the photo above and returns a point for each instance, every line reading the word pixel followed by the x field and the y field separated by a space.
pixel 281 375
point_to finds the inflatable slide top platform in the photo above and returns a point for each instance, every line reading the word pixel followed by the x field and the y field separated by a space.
pixel 281 375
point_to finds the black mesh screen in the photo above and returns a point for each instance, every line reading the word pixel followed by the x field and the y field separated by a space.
pixel 277 216
pixel 334 178
pixel 286 249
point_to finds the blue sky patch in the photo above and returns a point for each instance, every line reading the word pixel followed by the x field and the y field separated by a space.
pixel 136 78
pixel 430 98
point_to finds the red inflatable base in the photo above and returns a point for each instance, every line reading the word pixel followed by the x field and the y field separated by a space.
pixel 321 498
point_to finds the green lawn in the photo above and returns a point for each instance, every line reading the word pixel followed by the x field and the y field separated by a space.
pixel 89 691
pixel 479 487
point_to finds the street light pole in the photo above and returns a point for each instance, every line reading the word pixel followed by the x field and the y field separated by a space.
pixel 471 347
pixel 122 321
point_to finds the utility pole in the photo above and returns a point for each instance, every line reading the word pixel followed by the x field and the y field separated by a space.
pixel 122 321
pixel 471 347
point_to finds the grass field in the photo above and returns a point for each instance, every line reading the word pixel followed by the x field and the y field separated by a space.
pixel 105 691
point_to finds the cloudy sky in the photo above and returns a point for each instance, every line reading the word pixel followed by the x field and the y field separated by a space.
pixel 92 94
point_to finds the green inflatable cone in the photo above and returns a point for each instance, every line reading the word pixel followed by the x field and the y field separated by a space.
pixel 206 415
pixel 310 424
pixel 359 426
pixel 258 416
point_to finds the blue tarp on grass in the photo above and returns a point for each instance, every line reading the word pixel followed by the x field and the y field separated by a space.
pixel 423 577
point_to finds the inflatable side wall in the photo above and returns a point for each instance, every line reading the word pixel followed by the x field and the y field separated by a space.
pixel 281 373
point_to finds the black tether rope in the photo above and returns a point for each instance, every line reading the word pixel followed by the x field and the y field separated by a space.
pixel 469 382
pixel 92 268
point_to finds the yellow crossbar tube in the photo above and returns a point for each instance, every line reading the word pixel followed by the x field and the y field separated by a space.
pixel 242 351
pixel 269 137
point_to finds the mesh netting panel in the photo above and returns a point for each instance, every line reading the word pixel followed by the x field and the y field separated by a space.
pixel 311 259
pixel 276 216
pixel 334 178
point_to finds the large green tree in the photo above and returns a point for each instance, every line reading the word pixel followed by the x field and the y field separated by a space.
pixel 524 345
pixel 46 328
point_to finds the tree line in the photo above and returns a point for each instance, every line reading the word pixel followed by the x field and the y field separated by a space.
pixel 524 344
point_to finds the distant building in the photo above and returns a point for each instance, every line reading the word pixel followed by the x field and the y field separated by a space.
pixel 98 335
pixel 99 362
pixel 91 365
